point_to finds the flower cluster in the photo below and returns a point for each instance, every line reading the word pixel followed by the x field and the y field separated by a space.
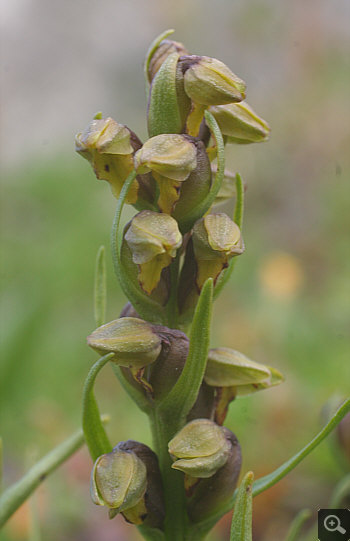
pixel 178 241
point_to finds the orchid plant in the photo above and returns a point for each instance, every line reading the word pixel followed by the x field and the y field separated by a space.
pixel 172 261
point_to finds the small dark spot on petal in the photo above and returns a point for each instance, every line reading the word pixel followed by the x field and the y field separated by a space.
pixel 107 168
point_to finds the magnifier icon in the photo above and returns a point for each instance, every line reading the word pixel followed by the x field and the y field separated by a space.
pixel 332 524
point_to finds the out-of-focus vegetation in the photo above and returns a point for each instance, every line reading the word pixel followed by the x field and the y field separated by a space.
pixel 287 304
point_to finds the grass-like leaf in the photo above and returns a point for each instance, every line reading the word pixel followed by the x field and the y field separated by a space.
pixel 94 432
pixel 183 395
pixel 163 109
pixel 268 481
pixel 241 525
pixel 13 497
pixel 100 287
pixel 152 49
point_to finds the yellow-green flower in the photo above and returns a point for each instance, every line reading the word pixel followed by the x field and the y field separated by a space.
pixel 240 124
pixel 109 147
pixel 200 448
pixel 153 239
pixel 118 480
pixel 209 81
pixel 171 158
pixel 216 239
pixel 133 341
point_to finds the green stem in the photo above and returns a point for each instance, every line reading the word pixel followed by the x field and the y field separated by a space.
pixel 173 481
pixel 16 494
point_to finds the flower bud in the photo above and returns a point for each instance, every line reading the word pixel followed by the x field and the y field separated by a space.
pixel 240 124
pixel 228 367
pixel 200 448
pixel 210 82
pixel 132 340
pixel 109 147
pixel 161 375
pixel 171 158
pixel 154 510
pixel 164 49
pixel 216 239
pixel 233 374
pixel 210 494
pixel 118 480
pixel 164 373
pixel 153 239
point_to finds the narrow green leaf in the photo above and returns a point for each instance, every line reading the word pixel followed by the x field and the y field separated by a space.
pixel 297 524
pixel 186 223
pixel 13 497
pixel 151 50
pixel 100 288
pixel 163 110
pixel 341 491
pixel 145 306
pixel 269 480
pixel 238 219
pixel 241 525
pixel 239 206
pixel 184 393
pixel 94 432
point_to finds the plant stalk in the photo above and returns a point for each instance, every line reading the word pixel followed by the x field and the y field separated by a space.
pixel 176 519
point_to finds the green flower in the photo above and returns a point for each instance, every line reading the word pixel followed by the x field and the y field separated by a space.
pixel 200 448
pixel 171 158
pixel 118 480
pixel 153 239
pixel 216 239
pixel 133 341
pixel 240 124
pixel 109 147
pixel 209 81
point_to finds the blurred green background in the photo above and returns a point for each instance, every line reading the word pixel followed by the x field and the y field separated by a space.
pixel 288 301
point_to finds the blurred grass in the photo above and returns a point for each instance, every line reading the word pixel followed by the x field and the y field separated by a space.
pixel 286 305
